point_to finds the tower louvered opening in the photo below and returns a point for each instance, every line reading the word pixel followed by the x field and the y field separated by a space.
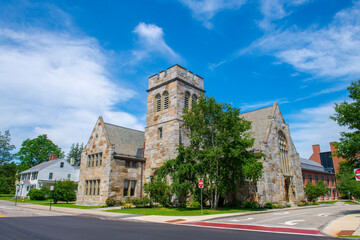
pixel 158 103
pixel 166 100
pixel 187 98
pixel 193 98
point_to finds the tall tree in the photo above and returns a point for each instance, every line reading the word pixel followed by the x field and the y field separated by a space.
pixel 75 153
pixel 346 183
pixel 348 114
pixel 8 177
pixel 220 142
pixel 5 148
pixel 37 150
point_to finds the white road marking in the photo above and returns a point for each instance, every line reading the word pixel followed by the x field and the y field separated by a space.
pixel 281 213
pixel 323 214
pixel 272 219
pixel 292 222
pixel 238 220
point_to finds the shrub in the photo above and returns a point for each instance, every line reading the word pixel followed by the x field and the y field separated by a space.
pixel 159 190
pixel 275 206
pixel 194 204
pixel 118 202
pixel 137 202
pixel 268 205
pixel 250 204
pixel 281 205
pixel 145 201
pixel 288 205
pixel 36 194
pixel 110 201
pixel 314 191
pixel 235 204
pixel 182 205
pixel 64 191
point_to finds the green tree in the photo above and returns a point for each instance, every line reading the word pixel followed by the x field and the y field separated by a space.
pixel 346 182
pixel 158 190
pixel 315 191
pixel 348 115
pixel 220 143
pixel 4 185
pixel 5 148
pixel 37 150
pixel 64 191
pixel 183 173
pixel 8 176
pixel 75 153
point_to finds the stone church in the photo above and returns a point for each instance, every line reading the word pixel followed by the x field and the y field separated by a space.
pixel 117 161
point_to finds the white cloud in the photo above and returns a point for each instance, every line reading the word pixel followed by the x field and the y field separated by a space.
pixel 273 10
pixel 56 84
pixel 205 10
pixel 257 105
pixel 151 42
pixel 313 126
pixel 332 51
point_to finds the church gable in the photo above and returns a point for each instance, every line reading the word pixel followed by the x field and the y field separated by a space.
pixel 99 140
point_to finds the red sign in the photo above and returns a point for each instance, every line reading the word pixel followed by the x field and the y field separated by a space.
pixel 201 183
pixel 357 174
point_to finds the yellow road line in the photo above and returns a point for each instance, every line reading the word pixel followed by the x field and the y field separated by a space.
pixel 2 216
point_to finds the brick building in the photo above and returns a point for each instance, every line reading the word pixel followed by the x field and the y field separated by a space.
pixel 312 172
pixel 327 159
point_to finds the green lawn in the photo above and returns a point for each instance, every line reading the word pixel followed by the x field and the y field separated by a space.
pixel 47 202
pixel 328 202
pixel 351 202
pixel 180 211
pixel 6 196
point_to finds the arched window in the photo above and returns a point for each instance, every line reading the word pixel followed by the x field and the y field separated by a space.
pixel 166 99
pixel 284 153
pixel 158 103
pixel 193 98
pixel 187 99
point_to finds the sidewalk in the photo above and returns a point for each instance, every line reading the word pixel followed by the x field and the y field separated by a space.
pixel 348 225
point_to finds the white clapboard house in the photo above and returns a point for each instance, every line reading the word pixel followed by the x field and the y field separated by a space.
pixel 45 174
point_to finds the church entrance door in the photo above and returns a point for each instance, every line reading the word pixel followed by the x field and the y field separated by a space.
pixel 286 188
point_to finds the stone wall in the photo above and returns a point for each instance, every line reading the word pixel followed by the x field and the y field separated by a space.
pixel 271 187
pixel 98 143
pixel 119 173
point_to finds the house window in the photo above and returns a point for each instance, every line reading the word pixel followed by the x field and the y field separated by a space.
pixel 92 187
pixel 129 188
pixel 187 99
pixel 94 160
pixel 127 164
pixel 284 153
pixel 158 102
pixel 166 100
pixel 316 179
pixel 62 165
pixel 50 175
pixel 126 188
pixel 69 176
pixel 160 133
pixel 86 187
pixel 27 188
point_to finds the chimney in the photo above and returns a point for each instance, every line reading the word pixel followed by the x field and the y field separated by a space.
pixel 72 161
pixel 316 153
pixel 52 157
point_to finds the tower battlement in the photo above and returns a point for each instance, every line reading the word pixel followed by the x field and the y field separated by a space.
pixel 173 73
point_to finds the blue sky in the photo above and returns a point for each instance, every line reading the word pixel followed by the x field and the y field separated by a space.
pixel 64 63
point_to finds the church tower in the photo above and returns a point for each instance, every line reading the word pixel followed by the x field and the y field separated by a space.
pixel 169 92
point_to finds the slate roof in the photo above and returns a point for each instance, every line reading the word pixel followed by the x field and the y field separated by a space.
pixel 310 165
pixel 43 165
pixel 126 141
pixel 259 123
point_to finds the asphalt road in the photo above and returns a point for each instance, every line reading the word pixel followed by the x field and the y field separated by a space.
pixel 309 218
pixel 72 227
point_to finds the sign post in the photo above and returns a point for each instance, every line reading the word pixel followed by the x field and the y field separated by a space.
pixel 51 191
pixel 357 174
pixel 17 189
pixel 201 186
